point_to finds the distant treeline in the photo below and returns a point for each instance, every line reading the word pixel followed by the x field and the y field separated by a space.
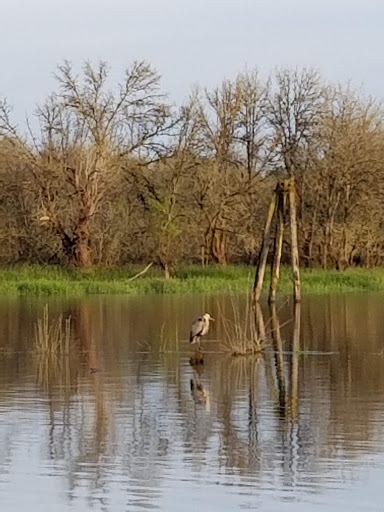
pixel 110 174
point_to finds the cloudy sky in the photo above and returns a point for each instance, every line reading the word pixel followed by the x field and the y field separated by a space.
pixel 188 41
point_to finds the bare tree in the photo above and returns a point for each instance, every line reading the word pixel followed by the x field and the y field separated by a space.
pixel 252 134
pixel 350 167
pixel 85 132
pixel 295 109
pixel 111 174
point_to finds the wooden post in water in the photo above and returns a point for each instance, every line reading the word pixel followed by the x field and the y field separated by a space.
pixel 278 245
pixel 260 271
pixel 260 325
pixel 284 191
pixel 294 244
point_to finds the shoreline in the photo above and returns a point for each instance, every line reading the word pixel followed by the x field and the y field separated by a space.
pixel 39 280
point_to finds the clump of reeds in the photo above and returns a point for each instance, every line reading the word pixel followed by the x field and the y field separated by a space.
pixel 52 336
pixel 241 336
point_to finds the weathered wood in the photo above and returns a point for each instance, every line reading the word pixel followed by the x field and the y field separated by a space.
pixel 260 325
pixel 294 243
pixel 278 246
pixel 260 271
pixel 284 190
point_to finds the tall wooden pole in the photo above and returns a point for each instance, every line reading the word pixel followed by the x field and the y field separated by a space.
pixel 260 271
pixel 260 325
pixel 294 243
pixel 283 190
pixel 278 246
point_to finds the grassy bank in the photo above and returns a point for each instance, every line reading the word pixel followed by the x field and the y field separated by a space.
pixel 44 280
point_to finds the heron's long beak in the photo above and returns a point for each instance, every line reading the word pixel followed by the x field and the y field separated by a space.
pixel 211 318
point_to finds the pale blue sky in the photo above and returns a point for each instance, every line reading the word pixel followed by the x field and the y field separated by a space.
pixel 189 41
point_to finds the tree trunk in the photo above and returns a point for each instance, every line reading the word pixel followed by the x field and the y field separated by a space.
pixel 83 252
pixel 82 246
pixel 311 237
pixel 328 233
pixel 324 256
pixel 165 266
pixel 206 251
pixel 368 257
pixel 167 274
pixel 219 247
pixel 202 255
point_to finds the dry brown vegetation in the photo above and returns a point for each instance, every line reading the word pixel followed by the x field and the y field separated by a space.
pixel 242 334
pixel 114 174
pixel 52 336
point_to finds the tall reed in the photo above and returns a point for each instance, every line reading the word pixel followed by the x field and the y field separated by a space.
pixel 52 336
pixel 240 334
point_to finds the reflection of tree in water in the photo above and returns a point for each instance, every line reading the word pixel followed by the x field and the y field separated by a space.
pixel 272 417
pixel 107 436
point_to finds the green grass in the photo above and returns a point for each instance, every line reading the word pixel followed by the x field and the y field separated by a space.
pixel 51 280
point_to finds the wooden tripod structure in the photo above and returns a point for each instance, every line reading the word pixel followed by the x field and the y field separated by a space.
pixel 284 194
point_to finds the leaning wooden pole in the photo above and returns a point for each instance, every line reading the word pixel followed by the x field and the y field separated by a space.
pixel 294 243
pixel 278 246
pixel 260 271
pixel 260 325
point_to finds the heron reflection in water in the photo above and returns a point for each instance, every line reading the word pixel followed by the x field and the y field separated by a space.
pixel 199 394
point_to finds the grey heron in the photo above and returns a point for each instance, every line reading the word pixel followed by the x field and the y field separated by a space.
pixel 199 328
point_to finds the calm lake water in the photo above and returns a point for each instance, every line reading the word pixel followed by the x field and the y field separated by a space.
pixel 297 430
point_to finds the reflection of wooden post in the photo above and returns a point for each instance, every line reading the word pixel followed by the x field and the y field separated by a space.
pixel 279 360
pixel 260 271
pixel 278 246
pixel 294 244
pixel 252 407
pixel 295 362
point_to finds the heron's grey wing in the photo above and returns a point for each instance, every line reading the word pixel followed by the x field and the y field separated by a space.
pixel 196 329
